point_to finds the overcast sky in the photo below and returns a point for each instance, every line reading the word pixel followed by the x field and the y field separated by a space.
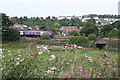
pixel 43 8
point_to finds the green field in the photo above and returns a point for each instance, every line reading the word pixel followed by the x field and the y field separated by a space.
pixel 22 60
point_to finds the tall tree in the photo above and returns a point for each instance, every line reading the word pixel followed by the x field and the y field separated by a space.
pixel 6 22
pixel 105 30
pixel 89 28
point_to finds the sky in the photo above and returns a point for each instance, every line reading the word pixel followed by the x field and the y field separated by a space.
pixel 44 8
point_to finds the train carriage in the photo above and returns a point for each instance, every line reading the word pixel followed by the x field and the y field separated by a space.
pixel 35 33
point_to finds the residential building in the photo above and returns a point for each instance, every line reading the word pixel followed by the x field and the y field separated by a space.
pixel 67 29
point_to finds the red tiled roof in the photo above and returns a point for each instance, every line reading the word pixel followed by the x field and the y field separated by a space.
pixel 69 28
pixel 20 25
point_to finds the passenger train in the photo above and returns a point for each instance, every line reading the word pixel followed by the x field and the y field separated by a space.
pixel 35 33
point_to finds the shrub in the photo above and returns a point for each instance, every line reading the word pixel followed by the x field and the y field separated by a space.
pixel 73 33
pixel 9 34
pixel 113 33
pixel 79 40
pixel 45 36
pixel 93 45
pixel 92 37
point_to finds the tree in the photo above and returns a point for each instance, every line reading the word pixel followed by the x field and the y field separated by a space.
pixel 92 20
pixel 57 25
pixel 105 30
pixel 79 40
pixel 6 22
pixel 45 36
pixel 116 24
pixel 60 31
pixel 9 34
pixel 73 33
pixel 92 37
pixel 53 29
pixel 89 28
pixel 113 34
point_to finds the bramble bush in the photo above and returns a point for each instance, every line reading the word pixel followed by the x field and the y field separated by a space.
pixel 79 40
pixel 92 37
pixel 45 36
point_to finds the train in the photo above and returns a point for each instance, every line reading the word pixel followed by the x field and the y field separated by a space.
pixel 35 33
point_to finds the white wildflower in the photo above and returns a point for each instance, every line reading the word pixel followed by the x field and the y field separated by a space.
pixel 38 47
pixel 3 56
pixel 17 63
pixel 1 69
pixel 75 46
pixel 45 48
pixel 18 58
pixel 35 70
pixel 53 68
pixel 89 58
pixel 65 47
pixel 1 51
pixel 52 57
pixel 9 51
pixel 40 52
pixel 22 60
pixel 49 71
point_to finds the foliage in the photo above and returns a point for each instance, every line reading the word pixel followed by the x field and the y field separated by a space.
pixel 45 36
pixel 104 16
pixel 113 34
pixel 93 45
pixel 48 22
pixel 92 37
pixel 116 24
pixel 52 42
pixel 9 34
pixel 60 31
pixel 79 40
pixel 73 33
pixel 28 63
pixel 89 28
pixel 53 29
pixel 92 20
pixel 105 30
pixel 6 22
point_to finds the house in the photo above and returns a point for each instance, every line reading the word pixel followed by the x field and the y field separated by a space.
pixel 67 29
pixel 19 25
pixel 24 27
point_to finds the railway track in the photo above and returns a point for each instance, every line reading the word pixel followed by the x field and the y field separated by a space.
pixel 50 39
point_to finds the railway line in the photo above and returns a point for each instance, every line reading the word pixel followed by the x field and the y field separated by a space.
pixel 50 39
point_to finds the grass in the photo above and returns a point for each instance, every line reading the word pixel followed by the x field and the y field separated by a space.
pixel 66 62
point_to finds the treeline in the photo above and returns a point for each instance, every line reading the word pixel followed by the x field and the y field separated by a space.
pixel 103 16
pixel 47 23
pixel 53 24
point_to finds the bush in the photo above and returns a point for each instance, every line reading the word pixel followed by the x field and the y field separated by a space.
pixel 93 45
pixel 79 40
pixel 113 33
pixel 92 37
pixel 45 36
pixel 73 33
pixel 9 34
